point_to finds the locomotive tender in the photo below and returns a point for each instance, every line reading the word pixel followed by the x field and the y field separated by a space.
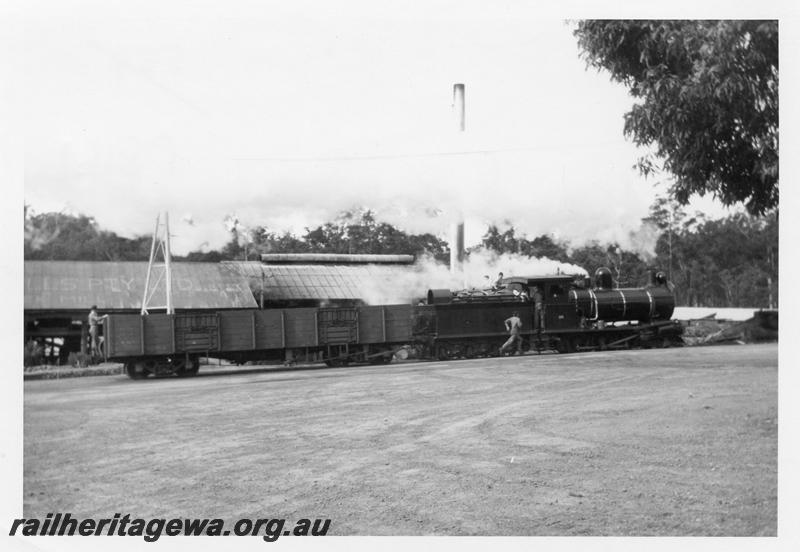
pixel 574 317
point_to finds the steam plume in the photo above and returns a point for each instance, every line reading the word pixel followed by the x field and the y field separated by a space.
pixel 427 273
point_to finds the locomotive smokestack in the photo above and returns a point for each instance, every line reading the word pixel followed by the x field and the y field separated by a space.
pixel 456 247
pixel 459 105
pixel 457 232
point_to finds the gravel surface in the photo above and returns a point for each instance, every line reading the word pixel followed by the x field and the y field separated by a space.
pixel 655 442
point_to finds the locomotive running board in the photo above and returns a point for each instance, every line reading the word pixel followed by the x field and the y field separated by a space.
pixel 623 340
pixel 654 326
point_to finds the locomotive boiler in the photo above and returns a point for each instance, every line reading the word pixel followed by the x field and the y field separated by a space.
pixel 605 303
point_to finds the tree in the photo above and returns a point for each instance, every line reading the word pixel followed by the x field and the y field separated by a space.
pixel 500 242
pixel 542 246
pixel 707 100
pixel 627 268
pixel 545 246
pixel 730 262
pixel 667 215
pixel 590 256
pixel 352 232
pixel 59 236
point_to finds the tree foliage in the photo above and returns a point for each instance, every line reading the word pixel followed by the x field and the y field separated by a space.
pixel 728 262
pixel 353 232
pixel 627 267
pixel 508 242
pixel 707 100
pixel 59 236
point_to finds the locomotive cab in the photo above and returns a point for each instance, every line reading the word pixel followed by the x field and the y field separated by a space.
pixel 559 311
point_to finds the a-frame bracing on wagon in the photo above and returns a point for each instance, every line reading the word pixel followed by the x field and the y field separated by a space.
pixel 159 270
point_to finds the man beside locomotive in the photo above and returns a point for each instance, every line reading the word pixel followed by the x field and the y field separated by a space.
pixel 513 327
pixel 538 312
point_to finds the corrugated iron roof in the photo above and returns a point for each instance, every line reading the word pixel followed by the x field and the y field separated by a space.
pixel 290 282
pixel 334 258
pixel 70 285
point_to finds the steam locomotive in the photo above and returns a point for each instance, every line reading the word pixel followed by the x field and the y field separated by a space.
pixel 572 316
pixel 558 312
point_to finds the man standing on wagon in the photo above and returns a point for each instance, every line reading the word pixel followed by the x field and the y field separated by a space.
pixel 94 323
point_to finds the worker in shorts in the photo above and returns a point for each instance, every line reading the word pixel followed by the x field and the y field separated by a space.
pixel 513 327
pixel 94 329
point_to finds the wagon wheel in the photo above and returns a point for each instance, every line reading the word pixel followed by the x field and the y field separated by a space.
pixel 381 359
pixel 178 365
pixel 187 370
pixel 137 370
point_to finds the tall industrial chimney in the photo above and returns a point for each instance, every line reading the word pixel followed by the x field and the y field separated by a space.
pixel 459 104
pixel 457 233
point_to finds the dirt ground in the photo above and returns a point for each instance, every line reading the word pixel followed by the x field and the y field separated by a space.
pixel 657 442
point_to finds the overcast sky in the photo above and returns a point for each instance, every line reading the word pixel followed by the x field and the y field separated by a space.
pixel 285 113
